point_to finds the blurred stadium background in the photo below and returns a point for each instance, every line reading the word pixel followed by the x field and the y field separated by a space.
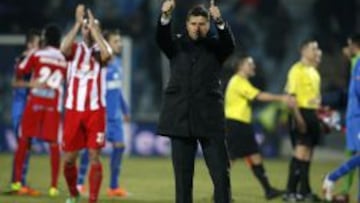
pixel 269 30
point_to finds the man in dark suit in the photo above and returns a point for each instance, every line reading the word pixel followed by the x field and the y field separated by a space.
pixel 192 109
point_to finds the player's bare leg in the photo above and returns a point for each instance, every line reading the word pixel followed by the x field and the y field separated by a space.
pixel 95 175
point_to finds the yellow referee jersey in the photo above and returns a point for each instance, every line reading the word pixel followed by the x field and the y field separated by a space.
pixel 304 82
pixel 239 94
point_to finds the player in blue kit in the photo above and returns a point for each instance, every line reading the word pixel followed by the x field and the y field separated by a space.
pixel 352 123
pixel 117 112
pixel 19 97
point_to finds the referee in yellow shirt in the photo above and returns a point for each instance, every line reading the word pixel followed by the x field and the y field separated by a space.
pixel 240 135
pixel 303 82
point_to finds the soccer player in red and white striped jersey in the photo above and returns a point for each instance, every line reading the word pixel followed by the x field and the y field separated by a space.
pixel 41 118
pixel 84 124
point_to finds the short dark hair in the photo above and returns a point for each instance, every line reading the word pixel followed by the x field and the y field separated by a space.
pixel 355 39
pixel 52 35
pixel 108 33
pixel 239 60
pixel 198 10
pixel 306 42
pixel 31 35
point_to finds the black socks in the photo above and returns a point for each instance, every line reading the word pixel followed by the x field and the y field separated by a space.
pixel 260 174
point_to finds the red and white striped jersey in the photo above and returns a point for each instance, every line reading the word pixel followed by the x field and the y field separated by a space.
pixel 47 66
pixel 86 79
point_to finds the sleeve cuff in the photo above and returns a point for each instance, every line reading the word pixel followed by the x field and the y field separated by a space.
pixel 165 20
pixel 221 26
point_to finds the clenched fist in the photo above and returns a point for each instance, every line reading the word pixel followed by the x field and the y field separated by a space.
pixel 167 7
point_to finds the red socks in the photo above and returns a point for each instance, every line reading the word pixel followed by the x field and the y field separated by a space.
pixel 95 178
pixel 20 156
pixel 70 173
pixel 55 163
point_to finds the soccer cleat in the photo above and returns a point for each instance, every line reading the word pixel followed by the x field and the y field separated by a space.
pixel 117 192
pixel 53 192
pixel 73 199
pixel 26 190
pixel 15 186
pixel 327 189
pixel 273 193
pixel 81 189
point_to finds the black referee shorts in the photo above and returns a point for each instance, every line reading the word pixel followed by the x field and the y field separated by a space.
pixel 312 136
pixel 240 138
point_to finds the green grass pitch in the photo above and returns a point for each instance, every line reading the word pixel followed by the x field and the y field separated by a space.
pixel 150 180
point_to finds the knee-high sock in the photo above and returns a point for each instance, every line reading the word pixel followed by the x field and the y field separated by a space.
pixel 20 157
pixel 260 174
pixel 294 175
pixel 349 177
pixel 95 178
pixel 305 187
pixel 84 162
pixel 115 166
pixel 70 174
pixel 25 169
pixel 345 168
pixel 55 164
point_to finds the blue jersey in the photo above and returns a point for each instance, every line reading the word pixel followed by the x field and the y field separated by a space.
pixel 19 95
pixel 115 103
pixel 353 106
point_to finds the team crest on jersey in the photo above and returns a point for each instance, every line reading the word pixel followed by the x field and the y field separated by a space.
pixel 85 71
pixel 85 67
pixel 116 76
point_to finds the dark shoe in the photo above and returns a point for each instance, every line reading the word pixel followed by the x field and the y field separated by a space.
pixel 292 197
pixel 273 193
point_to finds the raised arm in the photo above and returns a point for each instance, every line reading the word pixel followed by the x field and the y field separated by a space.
pixel 66 45
pixel 163 32
pixel 226 38
pixel 105 49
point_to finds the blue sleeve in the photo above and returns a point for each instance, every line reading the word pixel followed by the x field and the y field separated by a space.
pixel 123 105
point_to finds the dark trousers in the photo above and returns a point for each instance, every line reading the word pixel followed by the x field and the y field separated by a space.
pixel 216 158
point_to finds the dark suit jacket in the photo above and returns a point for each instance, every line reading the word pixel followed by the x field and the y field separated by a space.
pixel 192 101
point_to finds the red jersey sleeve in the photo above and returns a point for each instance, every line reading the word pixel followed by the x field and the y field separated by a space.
pixel 26 65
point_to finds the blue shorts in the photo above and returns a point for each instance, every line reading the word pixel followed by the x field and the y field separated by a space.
pixel 353 135
pixel 114 131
